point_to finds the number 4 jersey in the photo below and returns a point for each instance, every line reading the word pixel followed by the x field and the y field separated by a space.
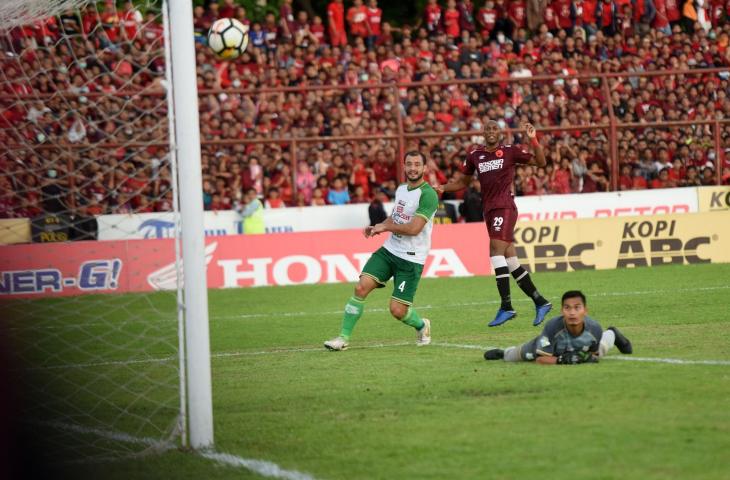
pixel 420 201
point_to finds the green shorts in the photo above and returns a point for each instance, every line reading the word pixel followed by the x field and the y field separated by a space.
pixel 382 265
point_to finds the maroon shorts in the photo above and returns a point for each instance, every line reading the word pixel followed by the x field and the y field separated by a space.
pixel 501 223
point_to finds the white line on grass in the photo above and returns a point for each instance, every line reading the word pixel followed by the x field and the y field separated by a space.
pixel 672 361
pixel 116 436
pixel 675 361
pixel 262 467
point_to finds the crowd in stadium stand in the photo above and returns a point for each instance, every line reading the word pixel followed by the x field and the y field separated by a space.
pixel 352 45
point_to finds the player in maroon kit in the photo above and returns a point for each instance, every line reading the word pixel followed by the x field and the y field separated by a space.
pixel 494 164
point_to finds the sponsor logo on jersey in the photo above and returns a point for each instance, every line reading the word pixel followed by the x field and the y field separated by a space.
pixel 491 165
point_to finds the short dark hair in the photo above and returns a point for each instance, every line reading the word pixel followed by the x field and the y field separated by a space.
pixel 573 294
pixel 413 153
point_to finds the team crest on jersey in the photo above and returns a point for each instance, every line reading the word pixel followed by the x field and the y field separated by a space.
pixel 499 153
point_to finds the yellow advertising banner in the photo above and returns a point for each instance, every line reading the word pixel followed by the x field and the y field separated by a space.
pixel 14 230
pixel 713 199
pixel 624 242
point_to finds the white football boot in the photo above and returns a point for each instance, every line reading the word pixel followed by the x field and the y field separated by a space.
pixel 423 336
pixel 336 344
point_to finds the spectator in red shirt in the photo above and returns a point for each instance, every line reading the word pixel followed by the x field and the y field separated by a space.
pixel 638 180
pixel 594 179
pixel 606 17
pixel 228 10
pixel 286 20
pixel 487 18
pixel 673 14
pixel 624 180
pixel 517 14
pixel 451 21
pixel 565 10
pixel 357 18
pixel 336 23
pixel 661 19
pixel 466 16
pixel 663 180
pixel 432 17
pixel 273 200
pixel 317 29
pixel 374 18
pixel 550 18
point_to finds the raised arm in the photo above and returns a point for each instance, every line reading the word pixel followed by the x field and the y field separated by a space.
pixel 535 144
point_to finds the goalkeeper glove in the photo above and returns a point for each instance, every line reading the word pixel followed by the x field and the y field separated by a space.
pixel 574 358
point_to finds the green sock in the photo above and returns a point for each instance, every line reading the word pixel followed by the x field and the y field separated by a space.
pixel 353 312
pixel 413 319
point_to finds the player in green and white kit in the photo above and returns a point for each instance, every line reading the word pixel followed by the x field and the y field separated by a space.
pixel 402 255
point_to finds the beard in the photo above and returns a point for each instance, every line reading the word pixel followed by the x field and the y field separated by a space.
pixel 414 177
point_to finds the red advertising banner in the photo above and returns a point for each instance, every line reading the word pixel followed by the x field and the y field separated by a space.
pixel 233 261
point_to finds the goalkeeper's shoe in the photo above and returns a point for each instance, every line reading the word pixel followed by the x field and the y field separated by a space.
pixel 336 344
pixel 502 317
pixel 540 312
pixel 622 343
pixel 494 354
pixel 423 336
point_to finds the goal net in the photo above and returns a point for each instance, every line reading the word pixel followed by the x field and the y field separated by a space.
pixel 84 121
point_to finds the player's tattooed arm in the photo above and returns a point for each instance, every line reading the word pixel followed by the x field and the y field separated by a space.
pixel 536 147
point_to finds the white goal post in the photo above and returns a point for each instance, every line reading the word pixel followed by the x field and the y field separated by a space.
pixel 187 150
pixel 120 355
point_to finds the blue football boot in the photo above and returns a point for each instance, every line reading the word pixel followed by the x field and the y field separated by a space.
pixel 502 317
pixel 540 313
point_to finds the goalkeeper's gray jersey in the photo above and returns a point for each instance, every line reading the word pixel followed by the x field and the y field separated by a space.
pixel 555 339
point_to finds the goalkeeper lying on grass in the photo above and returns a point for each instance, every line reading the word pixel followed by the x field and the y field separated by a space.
pixel 571 338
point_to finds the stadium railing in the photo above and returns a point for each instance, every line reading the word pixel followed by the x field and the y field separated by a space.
pixel 402 137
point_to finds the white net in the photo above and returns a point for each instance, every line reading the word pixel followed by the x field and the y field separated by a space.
pixel 83 116
pixel 14 13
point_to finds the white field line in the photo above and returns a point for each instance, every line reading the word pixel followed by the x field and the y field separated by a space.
pixel 109 435
pixel 372 310
pixel 262 467
pixel 673 361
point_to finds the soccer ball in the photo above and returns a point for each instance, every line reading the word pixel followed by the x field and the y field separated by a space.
pixel 228 38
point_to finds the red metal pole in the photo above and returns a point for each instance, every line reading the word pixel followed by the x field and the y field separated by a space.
pixel 401 139
pixel 719 155
pixel 293 162
pixel 612 137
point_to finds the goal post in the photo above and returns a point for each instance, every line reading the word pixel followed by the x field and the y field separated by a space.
pixel 99 110
pixel 187 137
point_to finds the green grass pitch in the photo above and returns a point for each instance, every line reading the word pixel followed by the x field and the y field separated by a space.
pixel 386 409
